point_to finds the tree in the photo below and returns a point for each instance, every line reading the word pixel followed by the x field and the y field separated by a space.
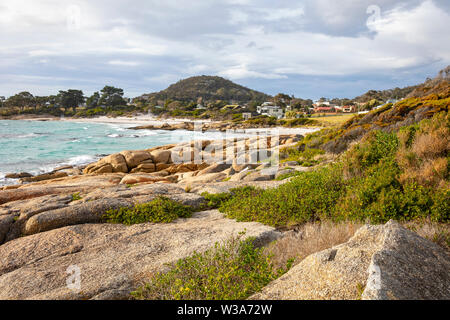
pixel 21 100
pixel 70 98
pixel 111 96
pixel 93 100
pixel 281 99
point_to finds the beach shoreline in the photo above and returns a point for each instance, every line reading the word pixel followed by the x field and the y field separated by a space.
pixel 153 121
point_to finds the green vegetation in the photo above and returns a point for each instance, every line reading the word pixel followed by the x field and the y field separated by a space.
pixel 305 157
pixel 216 200
pixel 76 196
pixel 230 271
pixel 288 175
pixel 210 89
pixel 109 102
pixel 158 210
pixel 402 176
pixel 308 197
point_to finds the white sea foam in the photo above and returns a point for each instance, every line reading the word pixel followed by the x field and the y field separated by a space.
pixel 144 134
pixel 114 135
pixel 81 160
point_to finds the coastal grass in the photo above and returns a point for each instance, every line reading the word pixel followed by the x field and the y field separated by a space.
pixel 159 210
pixel 233 270
pixel 334 119
pixel 310 238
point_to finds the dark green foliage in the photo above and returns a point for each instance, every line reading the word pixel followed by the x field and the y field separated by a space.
pixel 310 196
pixel 230 271
pixel 160 209
pixel 215 200
pixel 288 175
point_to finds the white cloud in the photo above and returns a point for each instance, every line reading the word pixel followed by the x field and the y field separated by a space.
pixel 123 63
pixel 279 14
pixel 241 72
pixel 239 39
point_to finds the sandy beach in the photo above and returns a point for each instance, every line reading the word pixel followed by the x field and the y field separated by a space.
pixel 149 120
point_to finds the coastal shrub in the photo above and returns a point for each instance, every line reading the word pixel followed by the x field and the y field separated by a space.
pixel 160 209
pixel 233 270
pixel 308 197
pixel 298 122
pixel 377 146
pixel 262 120
pixel 216 200
pixel 288 175
pixel 305 157
pixel 424 150
pixel 76 196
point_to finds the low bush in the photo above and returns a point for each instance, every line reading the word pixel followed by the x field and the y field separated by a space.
pixel 76 196
pixel 308 197
pixel 160 209
pixel 230 271
pixel 216 200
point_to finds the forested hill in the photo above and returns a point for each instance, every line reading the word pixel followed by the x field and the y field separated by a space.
pixel 384 95
pixel 206 89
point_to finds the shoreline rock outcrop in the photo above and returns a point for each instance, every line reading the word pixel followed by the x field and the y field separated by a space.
pixel 385 262
pixel 112 259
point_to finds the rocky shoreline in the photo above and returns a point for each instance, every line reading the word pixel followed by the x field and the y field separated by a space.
pixel 54 221
pixel 195 161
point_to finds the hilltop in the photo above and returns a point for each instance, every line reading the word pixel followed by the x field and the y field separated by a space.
pixel 384 95
pixel 206 89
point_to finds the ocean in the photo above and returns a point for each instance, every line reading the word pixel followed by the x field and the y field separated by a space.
pixel 40 146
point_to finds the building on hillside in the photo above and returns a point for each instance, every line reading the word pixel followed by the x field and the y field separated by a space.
pixel 346 109
pixel 200 107
pixel 321 103
pixel 270 110
pixel 323 109
pixel 246 116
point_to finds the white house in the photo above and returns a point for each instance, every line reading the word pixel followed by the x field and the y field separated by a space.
pixel 271 111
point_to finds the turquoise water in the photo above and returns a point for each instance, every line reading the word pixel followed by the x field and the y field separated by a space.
pixel 40 146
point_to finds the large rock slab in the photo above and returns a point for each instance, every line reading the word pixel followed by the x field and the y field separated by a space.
pixel 26 217
pixel 116 162
pixel 161 156
pixel 206 178
pixel 113 259
pixel 66 185
pixel 134 158
pixel 387 262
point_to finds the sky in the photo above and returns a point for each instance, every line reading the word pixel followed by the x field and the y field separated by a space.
pixel 306 48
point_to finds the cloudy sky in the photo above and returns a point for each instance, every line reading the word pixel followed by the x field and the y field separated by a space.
pixel 309 48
